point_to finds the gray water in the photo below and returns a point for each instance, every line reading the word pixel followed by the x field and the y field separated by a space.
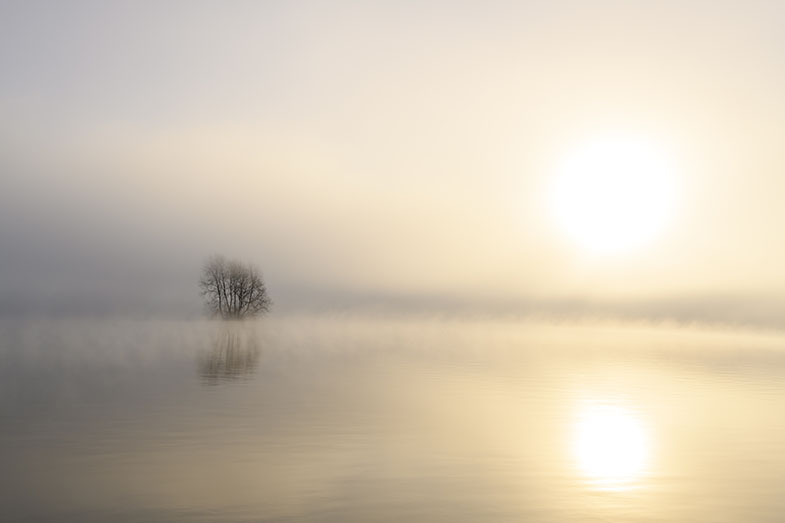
pixel 344 419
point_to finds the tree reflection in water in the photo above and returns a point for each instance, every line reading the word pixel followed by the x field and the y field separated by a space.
pixel 234 354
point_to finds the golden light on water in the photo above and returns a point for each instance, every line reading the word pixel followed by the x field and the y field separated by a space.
pixel 611 446
pixel 613 194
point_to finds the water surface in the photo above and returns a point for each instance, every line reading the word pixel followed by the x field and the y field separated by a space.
pixel 343 419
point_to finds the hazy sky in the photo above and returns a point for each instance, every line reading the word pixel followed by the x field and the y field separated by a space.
pixel 372 152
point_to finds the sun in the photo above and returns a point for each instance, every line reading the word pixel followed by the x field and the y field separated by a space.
pixel 613 193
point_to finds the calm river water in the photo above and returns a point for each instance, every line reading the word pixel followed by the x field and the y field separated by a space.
pixel 362 420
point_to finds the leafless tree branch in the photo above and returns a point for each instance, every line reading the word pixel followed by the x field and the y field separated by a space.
pixel 232 289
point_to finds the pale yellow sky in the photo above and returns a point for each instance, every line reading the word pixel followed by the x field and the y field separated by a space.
pixel 399 148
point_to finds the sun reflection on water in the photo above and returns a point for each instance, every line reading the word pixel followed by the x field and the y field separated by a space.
pixel 611 446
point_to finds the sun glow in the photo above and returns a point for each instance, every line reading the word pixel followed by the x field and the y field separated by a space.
pixel 613 194
pixel 611 446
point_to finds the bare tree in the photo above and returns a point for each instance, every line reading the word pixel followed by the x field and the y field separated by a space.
pixel 232 289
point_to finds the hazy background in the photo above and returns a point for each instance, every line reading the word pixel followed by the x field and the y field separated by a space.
pixel 391 156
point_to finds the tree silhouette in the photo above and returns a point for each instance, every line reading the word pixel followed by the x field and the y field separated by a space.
pixel 232 289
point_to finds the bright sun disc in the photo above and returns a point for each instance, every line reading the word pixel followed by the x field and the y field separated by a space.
pixel 613 194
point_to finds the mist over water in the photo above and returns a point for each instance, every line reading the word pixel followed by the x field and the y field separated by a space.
pixel 398 154
pixel 523 259
pixel 345 418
